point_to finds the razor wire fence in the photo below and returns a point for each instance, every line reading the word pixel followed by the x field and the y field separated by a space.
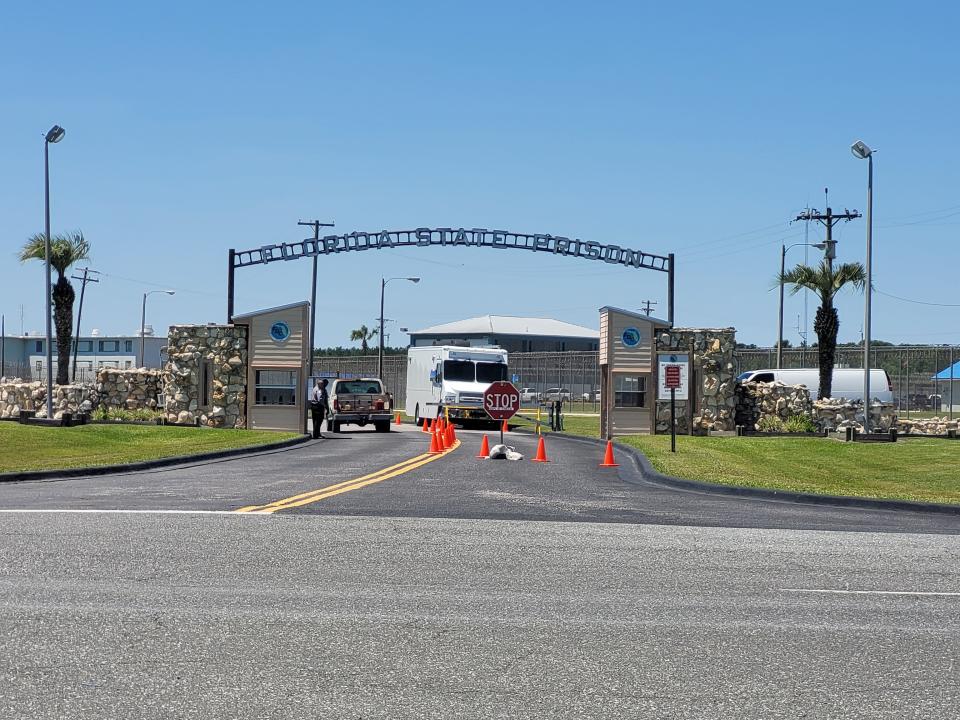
pixel 913 371
pixel 574 376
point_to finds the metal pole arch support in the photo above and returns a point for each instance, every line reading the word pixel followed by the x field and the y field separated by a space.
pixel 230 279
pixel 671 278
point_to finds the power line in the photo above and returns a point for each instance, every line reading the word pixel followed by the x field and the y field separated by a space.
pixel 916 302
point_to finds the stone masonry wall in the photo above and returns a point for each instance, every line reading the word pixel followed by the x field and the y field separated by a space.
pixel 129 389
pixel 757 400
pixel 225 347
pixel 712 363
pixel 17 395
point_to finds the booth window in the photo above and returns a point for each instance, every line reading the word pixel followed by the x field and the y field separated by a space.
pixel 630 391
pixel 275 387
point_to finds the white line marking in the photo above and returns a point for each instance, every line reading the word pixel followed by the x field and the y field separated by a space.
pixel 132 512
pixel 871 592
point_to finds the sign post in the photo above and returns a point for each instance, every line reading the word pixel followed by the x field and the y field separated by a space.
pixel 501 400
pixel 671 379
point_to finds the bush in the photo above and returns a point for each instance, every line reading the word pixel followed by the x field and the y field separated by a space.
pixel 770 423
pixel 799 423
pixel 121 415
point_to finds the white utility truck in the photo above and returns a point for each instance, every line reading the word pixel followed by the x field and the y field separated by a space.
pixel 450 380
pixel 847 382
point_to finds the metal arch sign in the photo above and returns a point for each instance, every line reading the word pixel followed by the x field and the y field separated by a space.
pixel 452 237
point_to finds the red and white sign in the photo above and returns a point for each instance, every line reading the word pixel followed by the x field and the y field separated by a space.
pixel 501 400
pixel 671 377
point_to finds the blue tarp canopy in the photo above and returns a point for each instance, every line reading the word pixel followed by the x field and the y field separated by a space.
pixel 945 373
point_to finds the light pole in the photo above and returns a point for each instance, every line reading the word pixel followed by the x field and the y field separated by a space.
pixel 783 258
pixel 143 320
pixel 383 287
pixel 863 152
pixel 54 135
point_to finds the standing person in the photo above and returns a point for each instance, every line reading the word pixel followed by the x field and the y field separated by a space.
pixel 318 405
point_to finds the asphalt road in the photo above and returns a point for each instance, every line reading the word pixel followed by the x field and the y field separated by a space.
pixel 255 616
pixel 569 488
pixel 387 584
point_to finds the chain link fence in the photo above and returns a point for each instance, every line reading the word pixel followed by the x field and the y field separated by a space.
pixel 911 369
pixel 575 376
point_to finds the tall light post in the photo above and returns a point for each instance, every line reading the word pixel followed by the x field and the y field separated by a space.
pixel 143 320
pixel 783 258
pixel 863 152
pixel 54 135
pixel 383 287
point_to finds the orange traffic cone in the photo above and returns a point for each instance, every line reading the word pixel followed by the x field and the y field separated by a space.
pixel 484 448
pixel 433 425
pixel 442 440
pixel 608 457
pixel 541 451
pixel 397 422
pixel 504 427
pixel 451 435
pixel 426 425
pixel 435 445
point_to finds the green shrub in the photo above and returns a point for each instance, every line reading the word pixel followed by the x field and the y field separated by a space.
pixel 770 423
pixel 799 423
pixel 122 415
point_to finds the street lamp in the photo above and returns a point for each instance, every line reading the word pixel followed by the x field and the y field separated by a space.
pixel 143 320
pixel 783 258
pixel 383 287
pixel 54 135
pixel 863 152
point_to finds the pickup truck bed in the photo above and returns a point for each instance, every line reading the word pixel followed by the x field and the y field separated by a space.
pixel 359 402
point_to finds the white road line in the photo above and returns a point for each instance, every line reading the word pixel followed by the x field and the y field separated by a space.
pixel 130 512
pixel 871 592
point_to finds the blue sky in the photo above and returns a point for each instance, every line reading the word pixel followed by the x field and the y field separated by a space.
pixel 698 129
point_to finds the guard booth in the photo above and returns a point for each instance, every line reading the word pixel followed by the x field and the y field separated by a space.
pixel 628 381
pixel 277 366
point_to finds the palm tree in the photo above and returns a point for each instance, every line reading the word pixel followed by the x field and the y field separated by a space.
pixel 65 250
pixel 826 282
pixel 363 334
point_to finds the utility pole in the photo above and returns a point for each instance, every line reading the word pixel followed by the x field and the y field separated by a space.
pixel 316 225
pixel 84 279
pixel 828 220
pixel 648 307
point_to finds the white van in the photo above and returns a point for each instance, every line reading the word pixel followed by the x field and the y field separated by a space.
pixel 847 382
pixel 450 380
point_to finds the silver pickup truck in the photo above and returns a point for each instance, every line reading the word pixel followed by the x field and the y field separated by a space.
pixel 359 401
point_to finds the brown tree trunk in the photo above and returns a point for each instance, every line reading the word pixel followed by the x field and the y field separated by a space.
pixel 63 296
pixel 827 326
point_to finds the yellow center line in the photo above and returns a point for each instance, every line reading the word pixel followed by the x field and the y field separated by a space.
pixel 342 487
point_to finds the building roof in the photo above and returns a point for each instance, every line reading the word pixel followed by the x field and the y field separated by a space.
pixel 945 373
pixel 639 316
pixel 244 316
pixel 509 325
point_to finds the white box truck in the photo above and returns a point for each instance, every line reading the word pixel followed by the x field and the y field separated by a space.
pixel 446 379
pixel 847 382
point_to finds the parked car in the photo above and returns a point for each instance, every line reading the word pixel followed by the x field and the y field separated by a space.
pixel 359 401
pixel 529 395
pixel 591 396
pixel 554 394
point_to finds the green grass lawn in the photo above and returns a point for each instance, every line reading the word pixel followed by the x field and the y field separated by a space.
pixel 26 447
pixel 924 470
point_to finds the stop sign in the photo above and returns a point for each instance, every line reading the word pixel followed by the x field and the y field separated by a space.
pixel 501 400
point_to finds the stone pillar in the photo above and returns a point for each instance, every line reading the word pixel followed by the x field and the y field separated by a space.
pixel 220 352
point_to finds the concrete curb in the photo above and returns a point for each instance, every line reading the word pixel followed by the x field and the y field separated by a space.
pixel 652 475
pixel 66 473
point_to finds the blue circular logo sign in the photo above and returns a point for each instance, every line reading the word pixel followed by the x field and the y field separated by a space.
pixel 279 331
pixel 631 337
